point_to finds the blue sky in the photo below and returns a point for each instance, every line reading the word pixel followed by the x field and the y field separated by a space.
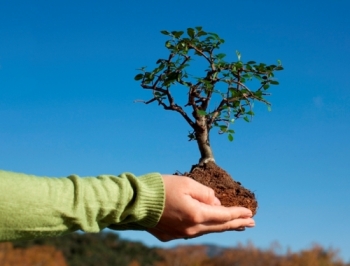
pixel 67 92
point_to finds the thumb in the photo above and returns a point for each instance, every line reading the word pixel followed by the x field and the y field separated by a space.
pixel 203 194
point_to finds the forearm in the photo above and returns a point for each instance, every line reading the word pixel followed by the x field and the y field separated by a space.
pixel 33 206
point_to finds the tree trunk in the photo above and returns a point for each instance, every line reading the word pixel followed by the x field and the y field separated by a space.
pixel 202 137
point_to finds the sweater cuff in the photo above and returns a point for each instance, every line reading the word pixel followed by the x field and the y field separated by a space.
pixel 149 202
pixel 151 193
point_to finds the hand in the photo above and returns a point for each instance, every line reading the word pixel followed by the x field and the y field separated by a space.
pixel 191 210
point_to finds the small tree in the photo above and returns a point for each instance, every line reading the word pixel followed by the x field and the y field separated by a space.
pixel 226 80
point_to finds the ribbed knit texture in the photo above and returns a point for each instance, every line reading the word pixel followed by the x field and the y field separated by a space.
pixel 32 207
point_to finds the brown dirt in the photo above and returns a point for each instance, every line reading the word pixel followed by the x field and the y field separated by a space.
pixel 229 192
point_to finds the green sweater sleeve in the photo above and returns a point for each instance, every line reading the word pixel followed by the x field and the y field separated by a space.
pixel 33 207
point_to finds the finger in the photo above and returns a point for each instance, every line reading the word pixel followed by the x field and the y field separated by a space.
pixel 201 229
pixel 203 194
pixel 220 214
pixel 235 225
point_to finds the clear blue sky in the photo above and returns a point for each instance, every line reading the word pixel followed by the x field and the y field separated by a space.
pixel 67 92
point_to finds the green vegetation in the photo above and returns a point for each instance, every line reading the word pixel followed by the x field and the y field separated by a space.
pixel 226 81
pixel 98 249
pixel 108 249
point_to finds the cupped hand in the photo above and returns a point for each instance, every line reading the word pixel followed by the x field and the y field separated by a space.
pixel 191 210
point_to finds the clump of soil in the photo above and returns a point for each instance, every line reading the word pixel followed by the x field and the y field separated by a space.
pixel 228 191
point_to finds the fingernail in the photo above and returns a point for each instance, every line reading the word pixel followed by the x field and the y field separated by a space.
pixel 252 224
pixel 249 213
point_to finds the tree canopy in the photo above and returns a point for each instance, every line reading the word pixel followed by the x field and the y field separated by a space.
pixel 228 80
pixel 220 79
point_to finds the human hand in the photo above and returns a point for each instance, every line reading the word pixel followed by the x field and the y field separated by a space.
pixel 191 210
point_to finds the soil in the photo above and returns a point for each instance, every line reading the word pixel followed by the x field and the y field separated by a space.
pixel 228 191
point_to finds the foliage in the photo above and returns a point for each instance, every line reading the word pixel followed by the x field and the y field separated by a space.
pixel 247 256
pixel 98 249
pixel 109 249
pixel 34 255
pixel 184 255
pixel 250 255
pixel 227 80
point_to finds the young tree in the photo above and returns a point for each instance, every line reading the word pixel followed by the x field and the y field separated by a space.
pixel 221 78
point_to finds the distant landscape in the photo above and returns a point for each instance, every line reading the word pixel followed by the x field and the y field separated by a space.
pixel 109 249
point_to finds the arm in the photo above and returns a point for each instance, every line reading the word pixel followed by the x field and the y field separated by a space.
pixel 32 207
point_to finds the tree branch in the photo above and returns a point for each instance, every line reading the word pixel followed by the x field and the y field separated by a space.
pixel 179 109
pixel 200 52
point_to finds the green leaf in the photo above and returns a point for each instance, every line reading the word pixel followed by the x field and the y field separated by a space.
pixel 251 62
pixel 257 77
pixel 247 76
pixel 191 136
pixel 258 94
pixel 220 56
pixel 239 65
pixel 230 137
pixel 269 108
pixel 190 32
pixel 223 128
pixel 138 77
pixel 168 44
pixel 274 82
pixel 214 35
pixel 246 119
pixel 177 34
pixel 201 112
pixel 159 68
pixel 199 28
pixel 249 68
pixel 238 55
pixel 201 33
pixel 165 32
pixel 173 76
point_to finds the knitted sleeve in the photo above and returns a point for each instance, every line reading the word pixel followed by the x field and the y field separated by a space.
pixel 32 207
